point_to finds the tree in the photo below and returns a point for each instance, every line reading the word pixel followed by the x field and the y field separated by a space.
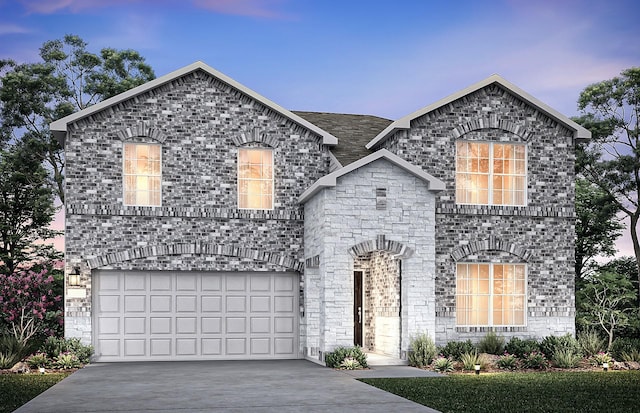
pixel 68 79
pixel 604 302
pixel 612 159
pixel 597 227
pixel 26 207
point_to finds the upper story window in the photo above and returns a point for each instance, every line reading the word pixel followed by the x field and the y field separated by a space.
pixel 142 174
pixel 255 178
pixel 491 173
pixel 490 294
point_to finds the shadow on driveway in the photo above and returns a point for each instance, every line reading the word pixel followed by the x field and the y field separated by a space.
pixel 219 386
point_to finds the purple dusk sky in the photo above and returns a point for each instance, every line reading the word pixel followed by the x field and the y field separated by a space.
pixel 384 58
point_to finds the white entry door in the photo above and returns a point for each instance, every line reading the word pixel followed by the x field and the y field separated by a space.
pixel 162 315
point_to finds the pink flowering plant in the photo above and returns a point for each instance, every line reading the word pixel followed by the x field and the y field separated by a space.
pixel 27 303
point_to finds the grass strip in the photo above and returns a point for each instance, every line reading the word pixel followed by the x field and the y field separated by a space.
pixel 18 389
pixel 584 392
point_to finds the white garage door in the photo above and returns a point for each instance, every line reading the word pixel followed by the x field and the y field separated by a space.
pixel 195 316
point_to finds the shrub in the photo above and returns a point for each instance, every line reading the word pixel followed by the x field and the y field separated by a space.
pixel 566 358
pixel 335 358
pixel 550 344
pixel 422 351
pixel 633 355
pixel 469 361
pixel 454 349
pixel 535 360
pixel 507 362
pixel 590 342
pixel 624 345
pixel 491 343
pixel 601 357
pixel 38 360
pixel 12 350
pixel 53 346
pixel 521 347
pixel 67 360
pixel 350 364
pixel 442 364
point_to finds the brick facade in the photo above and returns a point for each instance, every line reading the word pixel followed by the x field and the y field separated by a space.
pixel 539 234
pixel 392 216
pixel 200 123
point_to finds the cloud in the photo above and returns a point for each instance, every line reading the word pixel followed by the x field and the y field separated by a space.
pixel 9 28
pixel 252 8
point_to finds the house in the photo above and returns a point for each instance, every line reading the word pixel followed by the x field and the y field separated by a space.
pixel 204 221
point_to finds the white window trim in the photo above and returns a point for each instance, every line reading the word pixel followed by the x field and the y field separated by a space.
pixel 273 184
pixel 491 295
pixel 124 175
pixel 490 189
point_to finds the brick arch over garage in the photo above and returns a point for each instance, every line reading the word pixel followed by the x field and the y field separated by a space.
pixel 491 244
pixel 380 244
pixel 196 248
pixel 492 122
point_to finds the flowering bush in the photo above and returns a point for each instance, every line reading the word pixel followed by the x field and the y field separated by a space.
pixel 601 357
pixel 26 297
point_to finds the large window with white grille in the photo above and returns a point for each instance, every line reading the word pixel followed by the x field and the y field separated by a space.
pixel 255 179
pixel 490 294
pixel 491 173
pixel 142 174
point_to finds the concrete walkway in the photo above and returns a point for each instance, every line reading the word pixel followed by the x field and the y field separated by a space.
pixel 222 386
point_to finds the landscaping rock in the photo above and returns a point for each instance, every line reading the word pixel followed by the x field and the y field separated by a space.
pixel 633 365
pixel 619 366
pixel 20 367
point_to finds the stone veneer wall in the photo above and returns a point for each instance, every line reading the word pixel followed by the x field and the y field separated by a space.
pixel 200 122
pixel 342 223
pixel 540 234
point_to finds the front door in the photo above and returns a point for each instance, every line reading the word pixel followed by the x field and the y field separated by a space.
pixel 357 308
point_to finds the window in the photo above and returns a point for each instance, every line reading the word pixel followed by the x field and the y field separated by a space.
pixel 142 174
pixel 255 179
pixel 491 173
pixel 490 294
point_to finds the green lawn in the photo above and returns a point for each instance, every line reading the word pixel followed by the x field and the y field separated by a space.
pixel 17 389
pixel 613 391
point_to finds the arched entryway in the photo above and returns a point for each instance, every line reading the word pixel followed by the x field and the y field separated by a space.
pixel 377 295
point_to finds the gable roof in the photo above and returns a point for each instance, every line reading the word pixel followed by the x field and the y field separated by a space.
pixel 331 180
pixel 59 127
pixel 580 133
pixel 353 132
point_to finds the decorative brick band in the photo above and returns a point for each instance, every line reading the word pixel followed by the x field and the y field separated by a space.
pixel 195 248
pixel 528 211
pixel 190 212
pixel 491 122
pixel 380 244
pixel 490 244
pixel 255 136
pixel 313 262
pixel 487 329
pixel 141 129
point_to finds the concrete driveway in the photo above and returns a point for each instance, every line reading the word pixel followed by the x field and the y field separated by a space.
pixel 222 386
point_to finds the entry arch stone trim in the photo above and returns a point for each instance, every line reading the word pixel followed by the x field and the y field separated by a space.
pixel 381 243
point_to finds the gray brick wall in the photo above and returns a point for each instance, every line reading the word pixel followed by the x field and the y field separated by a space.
pixel 542 232
pixel 200 122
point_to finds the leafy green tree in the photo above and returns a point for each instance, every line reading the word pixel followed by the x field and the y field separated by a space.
pixel 26 207
pixel 597 226
pixel 68 79
pixel 606 301
pixel 612 159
